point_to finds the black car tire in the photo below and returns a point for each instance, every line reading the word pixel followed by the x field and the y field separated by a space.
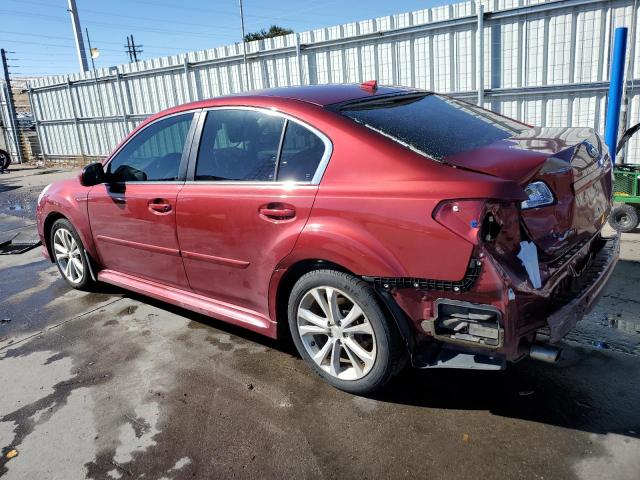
pixel 5 160
pixel 624 218
pixel 390 353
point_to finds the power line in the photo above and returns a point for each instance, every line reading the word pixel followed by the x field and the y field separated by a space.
pixel 119 25
pixel 110 42
pixel 46 44
pixel 293 15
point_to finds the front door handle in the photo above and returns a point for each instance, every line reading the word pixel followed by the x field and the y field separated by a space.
pixel 277 211
pixel 159 206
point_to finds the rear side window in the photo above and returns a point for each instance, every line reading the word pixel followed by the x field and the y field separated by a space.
pixel 239 145
pixel 433 125
pixel 249 145
pixel 302 151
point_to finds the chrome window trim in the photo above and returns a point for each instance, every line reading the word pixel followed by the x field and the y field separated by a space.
pixel 187 143
pixel 257 183
pixel 320 169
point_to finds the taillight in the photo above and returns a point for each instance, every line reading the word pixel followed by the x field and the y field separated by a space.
pixel 462 217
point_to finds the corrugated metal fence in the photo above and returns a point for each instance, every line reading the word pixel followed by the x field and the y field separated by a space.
pixel 544 62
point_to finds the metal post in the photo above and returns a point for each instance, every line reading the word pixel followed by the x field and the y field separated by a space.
pixel 123 103
pixel 299 59
pixel 11 104
pixel 95 78
pixel 616 85
pixel 36 120
pixel 77 33
pixel 480 56
pixel 187 81
pixel 244 46
pixel 75 115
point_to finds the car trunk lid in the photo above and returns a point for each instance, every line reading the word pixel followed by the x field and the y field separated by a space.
pixel 574 164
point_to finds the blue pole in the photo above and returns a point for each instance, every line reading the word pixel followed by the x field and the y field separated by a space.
pixel 616 85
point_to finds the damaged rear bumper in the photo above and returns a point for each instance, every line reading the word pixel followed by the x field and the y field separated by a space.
pixel 509 332
pixel 592 283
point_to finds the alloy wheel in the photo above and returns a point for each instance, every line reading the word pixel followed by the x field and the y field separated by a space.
pixel 68 255
pixel 336 333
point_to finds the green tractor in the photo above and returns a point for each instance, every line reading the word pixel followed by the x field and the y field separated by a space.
pixel 625 214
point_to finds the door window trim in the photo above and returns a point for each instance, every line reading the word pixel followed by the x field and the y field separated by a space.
pixel 186 150
pixel 195 147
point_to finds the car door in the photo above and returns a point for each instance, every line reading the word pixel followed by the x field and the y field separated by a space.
pixel 249 191
pixel 133 215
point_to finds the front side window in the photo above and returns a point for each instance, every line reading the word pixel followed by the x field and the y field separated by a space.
pixel 239 145
pixel 154 154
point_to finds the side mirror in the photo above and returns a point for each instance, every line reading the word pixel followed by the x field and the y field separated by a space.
pixel 92 174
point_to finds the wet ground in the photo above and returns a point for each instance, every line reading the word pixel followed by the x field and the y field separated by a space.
pixel 114 385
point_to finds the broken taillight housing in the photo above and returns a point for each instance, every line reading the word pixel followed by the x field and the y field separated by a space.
pixel 473 220
pixel 462 217
pixel 490 228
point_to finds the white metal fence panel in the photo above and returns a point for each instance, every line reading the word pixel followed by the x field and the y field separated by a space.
pixel 544 62
pixel 9 130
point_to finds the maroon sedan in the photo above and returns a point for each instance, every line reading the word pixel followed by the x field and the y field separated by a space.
pixel 374 225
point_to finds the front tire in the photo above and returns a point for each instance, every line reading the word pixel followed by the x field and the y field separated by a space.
pixel 342 333
pixel 624 218
pixel 69 255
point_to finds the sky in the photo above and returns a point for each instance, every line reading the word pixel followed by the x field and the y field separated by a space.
pixel 38 33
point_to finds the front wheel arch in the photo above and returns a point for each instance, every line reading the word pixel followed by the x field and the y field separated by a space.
pixel 48 224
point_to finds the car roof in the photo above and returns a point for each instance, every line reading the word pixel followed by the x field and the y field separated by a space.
pixel 323 95
pixel 317 95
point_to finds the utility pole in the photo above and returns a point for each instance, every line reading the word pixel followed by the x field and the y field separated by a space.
pixel 132 49
pixel 11 104
pixel 244 46
pixel 77 33
pixel 95 79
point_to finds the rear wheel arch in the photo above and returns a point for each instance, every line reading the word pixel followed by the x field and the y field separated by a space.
pixel 292 274
pixel 382 342
pixel 395 315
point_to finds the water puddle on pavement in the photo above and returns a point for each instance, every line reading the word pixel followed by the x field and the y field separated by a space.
pixel 18 206
pixel 47 172
pixel 608 332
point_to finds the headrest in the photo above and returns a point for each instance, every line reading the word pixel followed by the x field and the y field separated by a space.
pixel 245 129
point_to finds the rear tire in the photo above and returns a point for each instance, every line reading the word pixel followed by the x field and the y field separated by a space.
pixel 70 256
pixel 624 218
pixel 342 333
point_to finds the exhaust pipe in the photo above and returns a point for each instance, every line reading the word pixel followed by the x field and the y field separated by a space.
pixel 545 353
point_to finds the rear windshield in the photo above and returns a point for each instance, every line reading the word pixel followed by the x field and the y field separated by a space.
pixel 433 125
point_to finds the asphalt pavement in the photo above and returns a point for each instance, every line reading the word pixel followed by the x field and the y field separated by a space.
pixel 114 385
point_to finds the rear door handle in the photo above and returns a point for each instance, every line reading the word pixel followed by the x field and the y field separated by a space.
pixel 159 206
pixel 277 211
